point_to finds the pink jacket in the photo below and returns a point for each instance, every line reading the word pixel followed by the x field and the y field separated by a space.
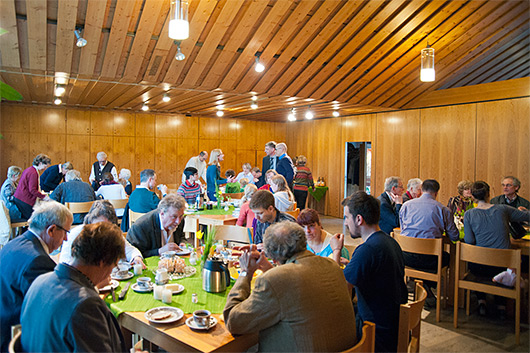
pixel 246 216
pixel 28 186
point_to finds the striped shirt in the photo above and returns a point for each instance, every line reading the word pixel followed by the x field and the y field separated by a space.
pixel 189 191
pixel 303 179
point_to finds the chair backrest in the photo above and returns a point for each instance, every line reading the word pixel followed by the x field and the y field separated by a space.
pixel 234 195
pixel 118 203
pixel 15 345
pixel 367 342
pixel 133 217
pixel 79 207
pixel 294 213
pixel 233 233
pixel 410 321
pixel 488 256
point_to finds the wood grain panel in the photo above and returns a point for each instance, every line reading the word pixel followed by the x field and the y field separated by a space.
pixel 15 151
pixel 51 120
pixel 209 128
pixel 9 42
pixel 229 147
pixel 188 127
pixel 246 135
pixel 186 148
pixel 78 152
pixel 280 131
pixel 36 12
pixel 92 33
pixel 208 145
pixel 503 147
pixel 123 152
pixel 124 124
pixel 265 132
pixel 66 17
pixel 229 129
pixel 77 122
pixel 144 154
pixel 166 126
pixel 166 161
pixel 101 123
pixel 145 125
pixel 447 141
pixel 50 144
pixel 246 156
pixel 396 146
pixel 14 118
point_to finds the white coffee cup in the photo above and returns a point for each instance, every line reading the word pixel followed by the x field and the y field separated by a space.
pixel 144 282
pixel 202 318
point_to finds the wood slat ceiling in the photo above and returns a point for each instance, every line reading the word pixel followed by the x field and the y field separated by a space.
pixel 357 56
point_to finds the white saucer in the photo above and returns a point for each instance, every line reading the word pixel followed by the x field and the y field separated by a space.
pixel 175 288
pixel 184 252
pixel 191 324
pixel 176 314
pixel 135 287
pixel 113 284
pixel 124 278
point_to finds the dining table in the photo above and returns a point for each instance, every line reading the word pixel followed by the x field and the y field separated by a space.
pixel 177 336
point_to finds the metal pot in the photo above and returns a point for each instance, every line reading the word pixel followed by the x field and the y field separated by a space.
pixel 215 276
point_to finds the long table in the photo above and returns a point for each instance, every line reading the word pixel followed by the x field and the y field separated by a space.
pixel 177 336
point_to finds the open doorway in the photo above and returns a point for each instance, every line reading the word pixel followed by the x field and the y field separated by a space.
pixel 358 167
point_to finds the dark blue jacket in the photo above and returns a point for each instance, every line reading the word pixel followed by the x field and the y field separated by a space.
pixel 51 178
pixel 389 218
pixel 285 167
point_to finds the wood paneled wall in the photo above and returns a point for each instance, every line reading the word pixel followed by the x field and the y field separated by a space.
pixel 479 141
pixel 134 141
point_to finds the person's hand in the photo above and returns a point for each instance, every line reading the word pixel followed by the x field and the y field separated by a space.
pixel 260 246
pixel 522 208
pixel 46 198
pixel 139 260
pixel 337 242
pixel 103 283
pixel 344 261
pixel 163 189
pixel 169 247
pixel 248 261
pixel 397 199
pixel 263 263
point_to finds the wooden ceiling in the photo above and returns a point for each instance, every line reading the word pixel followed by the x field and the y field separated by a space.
pixel 357 56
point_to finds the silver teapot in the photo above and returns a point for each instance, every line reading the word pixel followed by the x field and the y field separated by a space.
pixel 215 276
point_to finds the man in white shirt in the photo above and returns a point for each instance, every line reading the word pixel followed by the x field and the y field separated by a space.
pixel 99 168
pixel 199 163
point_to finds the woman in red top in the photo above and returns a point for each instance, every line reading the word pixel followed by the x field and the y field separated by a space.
pixel 28 189
pixel 246 216
pixel 303 179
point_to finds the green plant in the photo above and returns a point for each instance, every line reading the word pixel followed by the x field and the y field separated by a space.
pixel 208 244
pixel 9 93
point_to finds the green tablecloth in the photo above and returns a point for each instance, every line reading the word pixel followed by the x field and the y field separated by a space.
pixel 319 192
pixel 213 302
pixel 214 211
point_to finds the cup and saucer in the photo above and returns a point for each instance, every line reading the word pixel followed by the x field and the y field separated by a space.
pixel 201 320
pixel 143 285
pixel 121 273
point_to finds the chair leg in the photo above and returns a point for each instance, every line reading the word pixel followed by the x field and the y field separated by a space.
pixel 444 280
pixel 517 320
pixel 455 307
pixel 438 295
pixel 467 301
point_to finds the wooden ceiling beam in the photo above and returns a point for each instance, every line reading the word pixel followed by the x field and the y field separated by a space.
pixel 10 54
pixel 65 37
pixel 92 34
pixel 37 29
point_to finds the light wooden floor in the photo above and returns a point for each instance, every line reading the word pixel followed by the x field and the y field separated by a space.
pixel 474 333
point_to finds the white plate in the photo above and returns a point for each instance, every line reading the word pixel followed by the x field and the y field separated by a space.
pixel 135 287
pixel 191 324
pixel 113 284
pixel 124 278
pixel 176 314
pixel 188 272
pixel 175 288
pixel 184 252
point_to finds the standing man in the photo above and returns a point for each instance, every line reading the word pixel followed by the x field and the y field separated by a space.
pixel 510 188
pixel 99 168
pixel 53 176
pixel 413 189
pixel 376 270
pixel 391 202
pixel 262 204
pixel 285 165
pixel 296 305
pixel 199 163
pixel 26 257
pixel 269 161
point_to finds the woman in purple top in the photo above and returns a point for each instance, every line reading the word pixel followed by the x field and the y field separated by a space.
pixel 28 189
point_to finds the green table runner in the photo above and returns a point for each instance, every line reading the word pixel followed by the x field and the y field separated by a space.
pixel 214 211
pixel 319 192
pixel 213 302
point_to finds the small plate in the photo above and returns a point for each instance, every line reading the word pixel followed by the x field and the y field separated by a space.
pixel 191 324
pixel 175 288
pixel 124 278
pixel 175 314
pixel 135 287
pixel 184 252
pixel 188 272
pixel 113 284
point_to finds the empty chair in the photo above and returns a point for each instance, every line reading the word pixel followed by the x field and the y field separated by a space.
pixel 367 342
pixel 133 217
pixel 410 321
pixel 79 207
pixel 234 233
pixel 509 258
pixel 427 247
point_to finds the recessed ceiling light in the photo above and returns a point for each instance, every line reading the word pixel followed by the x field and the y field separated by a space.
pixel 166 98
pixel 59 90
pixel 259 66
pixel 220 113
pixel 254 106
pixel 335 113
pixel 145 107
pixel 57 101
pixel 254 98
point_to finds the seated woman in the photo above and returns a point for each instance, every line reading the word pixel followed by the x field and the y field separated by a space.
pixel 268 177
pixel 283 197
pixel 463 201
pixel 246 216
pixel 8 190
pixel 317 238
pixel 111 190
pixel 123 179
pixel 487 225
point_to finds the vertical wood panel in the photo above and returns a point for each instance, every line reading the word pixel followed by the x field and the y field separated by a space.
pixel 78 152
pixel 245 156
pixel 14 118
pixel 229 148
pixel 101 123
pixel 246 135
pixel 208 145
pixel 186 148
pixel 124 124
pixel 166 160
pixel 208 128
pixel 15 151
pixel 144 155
pixel 166 126
pixel 123 154
pixel 229 129
pixel 503 135
pixel 77 122
pixel 50 120
pixel 447 142
pixel 101 144
pixel 50 144
pixel 145 125
pixel 188 127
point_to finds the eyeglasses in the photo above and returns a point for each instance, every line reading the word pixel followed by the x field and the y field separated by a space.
pixel 58 226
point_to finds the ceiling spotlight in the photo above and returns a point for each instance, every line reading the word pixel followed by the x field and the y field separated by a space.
pixel 336 113
pixel 145 107
pixel 59 90
pixel 291 116
pixel 254 106
pixel 166 98
pixel 81 42
pixel 309 114
pixel 180 55
pixel 179 27
pixel 254 98
pixel 259 66
pixel 57 101
pixel 220 113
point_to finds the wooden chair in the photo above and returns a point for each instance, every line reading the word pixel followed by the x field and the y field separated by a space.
pixel 294 213
pixel 191 225
pixel 79 207
pixel 133 217
pixel 234 195
pixel 15 345
pixel 119 203
pixel 234 233
pixel 492 257
pixel 367 342
pixel 426 247
pixel 410 321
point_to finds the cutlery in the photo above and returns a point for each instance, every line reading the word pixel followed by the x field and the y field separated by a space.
pixel 113 294
pixel 124 291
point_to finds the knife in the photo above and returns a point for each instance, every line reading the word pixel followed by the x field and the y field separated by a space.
pixel 124 291
pixel 113 294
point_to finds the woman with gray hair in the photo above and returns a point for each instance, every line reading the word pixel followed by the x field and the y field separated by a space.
pixel 123 179
pixel 27 191
pixel 413 189
pixel 8 190
pixel 463 201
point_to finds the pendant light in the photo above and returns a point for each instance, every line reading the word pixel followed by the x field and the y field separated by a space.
pixel 179 27
pixel 427 73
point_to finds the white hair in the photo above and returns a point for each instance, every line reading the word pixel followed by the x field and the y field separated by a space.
pixel 101 155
